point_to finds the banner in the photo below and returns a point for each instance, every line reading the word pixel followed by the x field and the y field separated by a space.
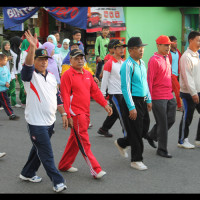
pixel 105 16
pixel 18 27
pixel 14 16
pixel 74 16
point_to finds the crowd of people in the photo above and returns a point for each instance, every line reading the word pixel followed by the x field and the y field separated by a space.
pixel 55 76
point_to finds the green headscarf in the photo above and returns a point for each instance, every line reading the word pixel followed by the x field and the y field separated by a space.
pixel 25 45
pixel 7 53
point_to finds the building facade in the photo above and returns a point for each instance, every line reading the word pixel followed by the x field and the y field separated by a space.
pixel 151 22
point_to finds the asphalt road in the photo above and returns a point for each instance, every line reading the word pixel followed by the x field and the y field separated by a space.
pixel 179 174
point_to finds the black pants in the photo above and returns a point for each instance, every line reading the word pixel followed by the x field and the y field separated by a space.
pixel 115 100
pixel 99 68
pixel 5 103
pixel 135 129
pixel 189 108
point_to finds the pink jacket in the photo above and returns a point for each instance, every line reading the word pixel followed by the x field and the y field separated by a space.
pixel 159 77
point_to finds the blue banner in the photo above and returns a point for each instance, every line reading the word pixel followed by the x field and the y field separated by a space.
pixel 74 16
pixel 14 16
pixel 18 27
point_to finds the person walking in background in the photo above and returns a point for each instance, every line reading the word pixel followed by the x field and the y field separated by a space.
pixel 5 79
pixel 174 58
pixel 57 36
pixel 101 49
pixel 10 64
pixel 110 51
pixel 5 47
pixel 163 102
pixel 15 44
pixel 52 65
pixel 76 35
pixel 64 50
pixel 136 103
pixel 109 55
pixel 190 89
pixel 77 86
pixel 56 56
pixel 111 82
pixel 74 44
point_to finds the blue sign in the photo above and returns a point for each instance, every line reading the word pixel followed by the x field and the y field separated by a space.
pixel 74 16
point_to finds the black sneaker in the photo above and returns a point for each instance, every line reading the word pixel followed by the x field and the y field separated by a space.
pixel 105 133
pixel 13 117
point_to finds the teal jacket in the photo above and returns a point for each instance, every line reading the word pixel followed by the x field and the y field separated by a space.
pixel 4 77
pixel 134 83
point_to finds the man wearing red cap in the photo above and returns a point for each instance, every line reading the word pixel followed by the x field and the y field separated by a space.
pixel 163 102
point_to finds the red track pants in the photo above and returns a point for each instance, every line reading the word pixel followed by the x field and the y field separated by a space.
pixel 176 89
pixel 81 124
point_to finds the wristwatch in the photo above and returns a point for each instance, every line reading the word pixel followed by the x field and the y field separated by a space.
pixel 63 114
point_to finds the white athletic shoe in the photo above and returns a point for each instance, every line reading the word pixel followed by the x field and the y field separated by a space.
pixel 17 106
pixel 122 151
pixel 100 174
pixel 59 187
pixel 72 169
pixel 2 154
pixel 1 108
pixel 186 144
pixel 138 165
pixel 34 179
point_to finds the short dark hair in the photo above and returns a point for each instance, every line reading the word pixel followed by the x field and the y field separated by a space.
pixel 172 38
pixel 54 32
pixel 76 31
pixel 193 34
pixel 2 56
pixel 105 27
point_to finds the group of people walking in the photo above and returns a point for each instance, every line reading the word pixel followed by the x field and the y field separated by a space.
pixel 130 87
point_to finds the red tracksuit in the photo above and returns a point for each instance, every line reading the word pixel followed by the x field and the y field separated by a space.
pixel 76 89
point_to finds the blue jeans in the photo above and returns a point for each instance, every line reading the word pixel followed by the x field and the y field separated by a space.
pixel 41 152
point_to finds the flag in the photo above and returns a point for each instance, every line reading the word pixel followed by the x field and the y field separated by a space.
pixel 74 16
pixel 14 16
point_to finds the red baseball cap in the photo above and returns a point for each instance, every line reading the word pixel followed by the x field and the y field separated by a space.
pixel 163 39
